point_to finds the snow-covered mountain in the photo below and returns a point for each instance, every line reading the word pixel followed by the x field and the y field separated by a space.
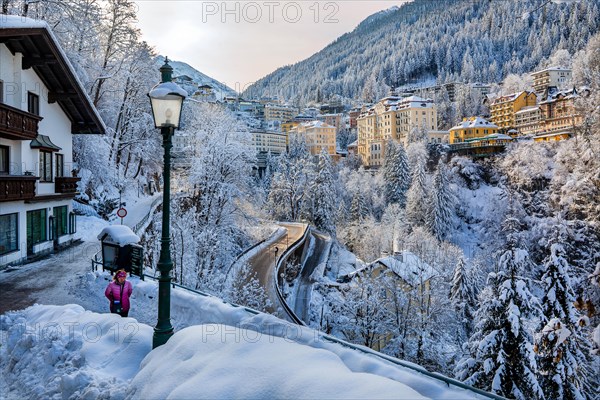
pixel 452 40
pixel 198 78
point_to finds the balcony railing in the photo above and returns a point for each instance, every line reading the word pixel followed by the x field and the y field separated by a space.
pixel 66 184
pixel 17 187
pixel 16 124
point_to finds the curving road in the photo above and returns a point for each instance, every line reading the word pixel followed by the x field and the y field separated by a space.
pixel 263 263
pixel 304 284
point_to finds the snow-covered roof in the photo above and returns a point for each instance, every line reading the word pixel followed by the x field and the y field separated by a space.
pixel 552 69
pixel 493 136
pixel 476 122
pixel 35 39
pixel 409 267
pixel 528 109
pixel 555 94
pixel 353 144
pixel 16 21
pixel 406 265
pixel 510 97
pixel 317 124
pixel 119 234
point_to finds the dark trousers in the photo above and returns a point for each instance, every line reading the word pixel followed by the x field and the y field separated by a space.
pixel 123 313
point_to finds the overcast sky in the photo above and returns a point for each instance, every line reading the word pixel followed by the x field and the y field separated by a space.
pixel 239 42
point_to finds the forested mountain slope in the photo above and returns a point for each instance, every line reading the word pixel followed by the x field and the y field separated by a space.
pixel 464 40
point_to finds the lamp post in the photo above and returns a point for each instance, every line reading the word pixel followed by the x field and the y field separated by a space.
pixel 166 100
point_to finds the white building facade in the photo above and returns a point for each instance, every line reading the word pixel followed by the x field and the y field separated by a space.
pixel 42 104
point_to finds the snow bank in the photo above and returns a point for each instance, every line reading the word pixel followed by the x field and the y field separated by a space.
pixel 218 361
pixel 89 227
pixel 59 352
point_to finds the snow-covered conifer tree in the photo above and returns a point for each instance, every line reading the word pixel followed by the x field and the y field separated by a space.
pixel 417 196
pixel 462 294
pixel 501 357
pixel 442 204
pixel 560 346
pixel 396 173
pixel 324 199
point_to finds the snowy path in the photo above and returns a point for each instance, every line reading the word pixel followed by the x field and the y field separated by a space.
pixel 136 211
pixel 58 279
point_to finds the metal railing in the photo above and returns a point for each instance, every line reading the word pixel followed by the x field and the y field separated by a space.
pixel 288 310
pixel 137 227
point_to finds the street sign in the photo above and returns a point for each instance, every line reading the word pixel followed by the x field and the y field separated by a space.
pixel 121 212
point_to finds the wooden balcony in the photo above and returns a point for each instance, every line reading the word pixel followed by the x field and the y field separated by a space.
pixel 66 184
pixel 16 124
pixel 17 187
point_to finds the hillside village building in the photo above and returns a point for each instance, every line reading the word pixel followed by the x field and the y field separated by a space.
pixel 472 128
pixel 452 88
pixel 42 105
pixel 551 77
pixel 318 136
pixel 559 116
pixel 394 118
pixel 279 112
pixel 504 108
pixel 331 119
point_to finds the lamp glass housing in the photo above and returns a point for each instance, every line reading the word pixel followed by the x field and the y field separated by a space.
pixel 166 100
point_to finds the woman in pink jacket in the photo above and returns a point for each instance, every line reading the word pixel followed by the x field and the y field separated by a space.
pixel 118 292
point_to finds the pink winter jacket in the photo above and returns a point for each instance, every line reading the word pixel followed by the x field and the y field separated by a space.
pixel 113 292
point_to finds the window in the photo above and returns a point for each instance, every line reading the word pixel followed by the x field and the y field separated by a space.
pixel 1 91
pixel 45 166
pixel 60 221
pixel 9 230
pixel 36 227
pixel 4 163
pixel 33 103
pixel 72 222
pixel 60 165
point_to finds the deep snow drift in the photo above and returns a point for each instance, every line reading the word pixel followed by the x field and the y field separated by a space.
pixel 67 352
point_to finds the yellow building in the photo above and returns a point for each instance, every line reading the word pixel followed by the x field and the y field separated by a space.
pixel 504 108
pixel 287 126
pixel 318 135
pixel 471 128
pixel 394 118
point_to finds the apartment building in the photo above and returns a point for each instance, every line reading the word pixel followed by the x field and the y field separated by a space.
pixel 504 108
pixel 394 118
pixel 318 136
pixel 529 121
pixel 560 118
pixel 551 77
pixel 279 112
pixel 265 142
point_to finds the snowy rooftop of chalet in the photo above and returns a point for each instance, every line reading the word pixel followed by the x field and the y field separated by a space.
pixel 476 122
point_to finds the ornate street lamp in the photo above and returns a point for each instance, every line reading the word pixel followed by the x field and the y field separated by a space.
pixel 166 100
